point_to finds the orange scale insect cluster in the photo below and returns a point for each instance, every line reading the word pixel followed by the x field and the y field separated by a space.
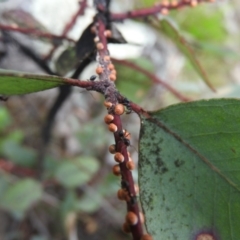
pixel 131 218
pixel 108 33
pixel 116 170
pixel 174 3
pixel 119 109
pixel 118 157
pixel 112 127
pixel 99 46
pixel 146 237
pixel 165 3
pixel 99 70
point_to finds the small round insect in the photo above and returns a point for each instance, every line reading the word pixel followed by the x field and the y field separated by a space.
pixel 3 98
pixel 123 136
pixel 124 184
pixel 99 70
pixel 119 109
pixel 133 200
pixel 112 127
pixel 146 237
pixel 127 104
pixel 131 218
pixel 93 77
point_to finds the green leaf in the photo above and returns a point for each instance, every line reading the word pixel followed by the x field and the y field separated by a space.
pixel 68 204
pixel 4 183
pixel 18 154
pixel 16 136
pixel 144 3
pixel 132 83
pixel 5 119
pixel 189 170
pixel 66 61
pixel 90 202
pixel 169 30
pixel 210 23
pixel 216 51
pixel 16 83
pixel 21 195
pixel 77 172
pixel 90 132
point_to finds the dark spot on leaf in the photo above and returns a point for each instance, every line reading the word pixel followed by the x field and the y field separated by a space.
pixel 159 162
pixel 233 150
pixel 142 131
pixel 163 170
pixel 178 163
pixel 147 145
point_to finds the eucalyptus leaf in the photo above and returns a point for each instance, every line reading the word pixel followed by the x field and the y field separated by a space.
pixel 17 83
pixel 189 170
pixel 66 61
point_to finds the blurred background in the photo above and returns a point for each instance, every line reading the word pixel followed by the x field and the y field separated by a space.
pixel 65 189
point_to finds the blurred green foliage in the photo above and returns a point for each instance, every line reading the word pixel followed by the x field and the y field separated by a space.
pixel 20 195
pixel 131 83
pixel 203 23
pixel 74 173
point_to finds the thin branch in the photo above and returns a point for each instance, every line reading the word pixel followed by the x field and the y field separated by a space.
pixel 34 32
pixel 64 93
pixel 152 77
pixel 29 53
pixel 10 167
pixel 162 8
pixel 69 26
pixel 107 75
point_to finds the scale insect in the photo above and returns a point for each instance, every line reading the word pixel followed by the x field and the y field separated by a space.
pixel 93 78
pixel 3 98
pixel 124 135
pixel 127 104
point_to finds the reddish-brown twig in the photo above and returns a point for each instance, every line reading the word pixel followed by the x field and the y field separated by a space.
pixel 153 78
pixel 34 32
pixel 107 76
pixel 12 168
pixel 70 24
pixel 162 8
